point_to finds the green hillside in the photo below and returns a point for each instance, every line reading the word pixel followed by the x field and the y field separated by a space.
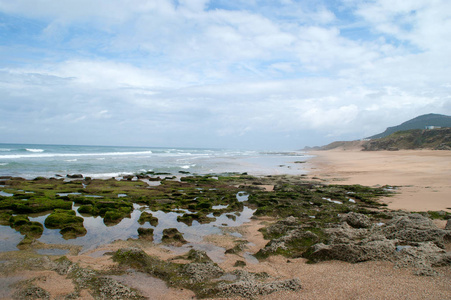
pixel 419 122
pixel 436 139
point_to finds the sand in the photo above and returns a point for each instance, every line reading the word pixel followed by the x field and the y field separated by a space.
pixel 423 177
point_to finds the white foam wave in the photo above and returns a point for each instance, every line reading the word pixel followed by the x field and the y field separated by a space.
pixel 71 160
pixel 48 155
pixel 107 175
pixel 35 150
pixel 4 150
pixel 3 164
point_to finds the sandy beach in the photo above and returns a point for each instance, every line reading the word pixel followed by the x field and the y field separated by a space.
pixel 422 177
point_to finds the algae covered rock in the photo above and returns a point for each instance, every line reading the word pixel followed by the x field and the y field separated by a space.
pixel 173 236
pixel 71 225
pixel 148 217
pixel 145 233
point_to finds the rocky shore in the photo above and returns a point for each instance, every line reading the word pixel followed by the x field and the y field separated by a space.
pixel 300 220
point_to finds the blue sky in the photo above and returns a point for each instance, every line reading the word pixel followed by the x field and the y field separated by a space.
pixel 236 74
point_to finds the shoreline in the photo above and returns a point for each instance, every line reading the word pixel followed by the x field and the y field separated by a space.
pixel 421 177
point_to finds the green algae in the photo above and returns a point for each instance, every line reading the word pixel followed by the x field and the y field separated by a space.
pixel 172 236
pixel 71 225
pixel 148 217
pixel 145 233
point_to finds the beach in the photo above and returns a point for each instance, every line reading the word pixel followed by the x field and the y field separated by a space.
pixel 421 177
pixel 420 180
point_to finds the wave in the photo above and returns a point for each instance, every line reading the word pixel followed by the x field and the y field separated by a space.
pixel 188 166
pixel 5 149
pixel 49 155
pixel 3 164
pixel 35 150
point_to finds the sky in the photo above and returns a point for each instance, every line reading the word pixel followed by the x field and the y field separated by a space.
pixel 244 74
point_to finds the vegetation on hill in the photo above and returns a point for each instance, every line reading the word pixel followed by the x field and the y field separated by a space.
pixel 419 122
pixel 436 139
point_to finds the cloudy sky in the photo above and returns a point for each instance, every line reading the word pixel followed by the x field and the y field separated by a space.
pixel 280 74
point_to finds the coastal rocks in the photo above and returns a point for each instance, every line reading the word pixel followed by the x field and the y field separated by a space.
pixel 357 220
pixel 415 228
pixel 298 237
pixel 32 292
pixel 203 276
pixel 71 225
pixel 199 272
pixel 448 225
pixel 355 252
pixel 173 236
pixel 248 285
pixel 423 258
pixel 109 288
pixel 407 239
pixel 148 217
pixel 145 233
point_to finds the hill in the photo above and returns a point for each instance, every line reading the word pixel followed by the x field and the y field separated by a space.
pixel 419 122
pixel 436 139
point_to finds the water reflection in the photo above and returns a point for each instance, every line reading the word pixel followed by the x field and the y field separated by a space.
pixel 98 233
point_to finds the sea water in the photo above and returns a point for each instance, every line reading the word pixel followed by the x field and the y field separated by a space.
pixel 30 161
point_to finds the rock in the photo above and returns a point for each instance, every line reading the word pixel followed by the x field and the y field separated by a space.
pixel 357 220
pixel 199 272
pixel 448 225
pixel 32 292
pixel 297 236
pixel 408 239
pixel 198 256
pixel 345 233
pixel 251 288
pixel 173 236
pixel 74 176
pixel 355 252
pixel 415 228
pixel 240 263
pixel 109 288
pixel 145 233
pixel 423 258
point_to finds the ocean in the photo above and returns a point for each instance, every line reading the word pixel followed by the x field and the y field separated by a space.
pixel 30 161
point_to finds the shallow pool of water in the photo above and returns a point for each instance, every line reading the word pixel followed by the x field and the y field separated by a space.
pixel 98 233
